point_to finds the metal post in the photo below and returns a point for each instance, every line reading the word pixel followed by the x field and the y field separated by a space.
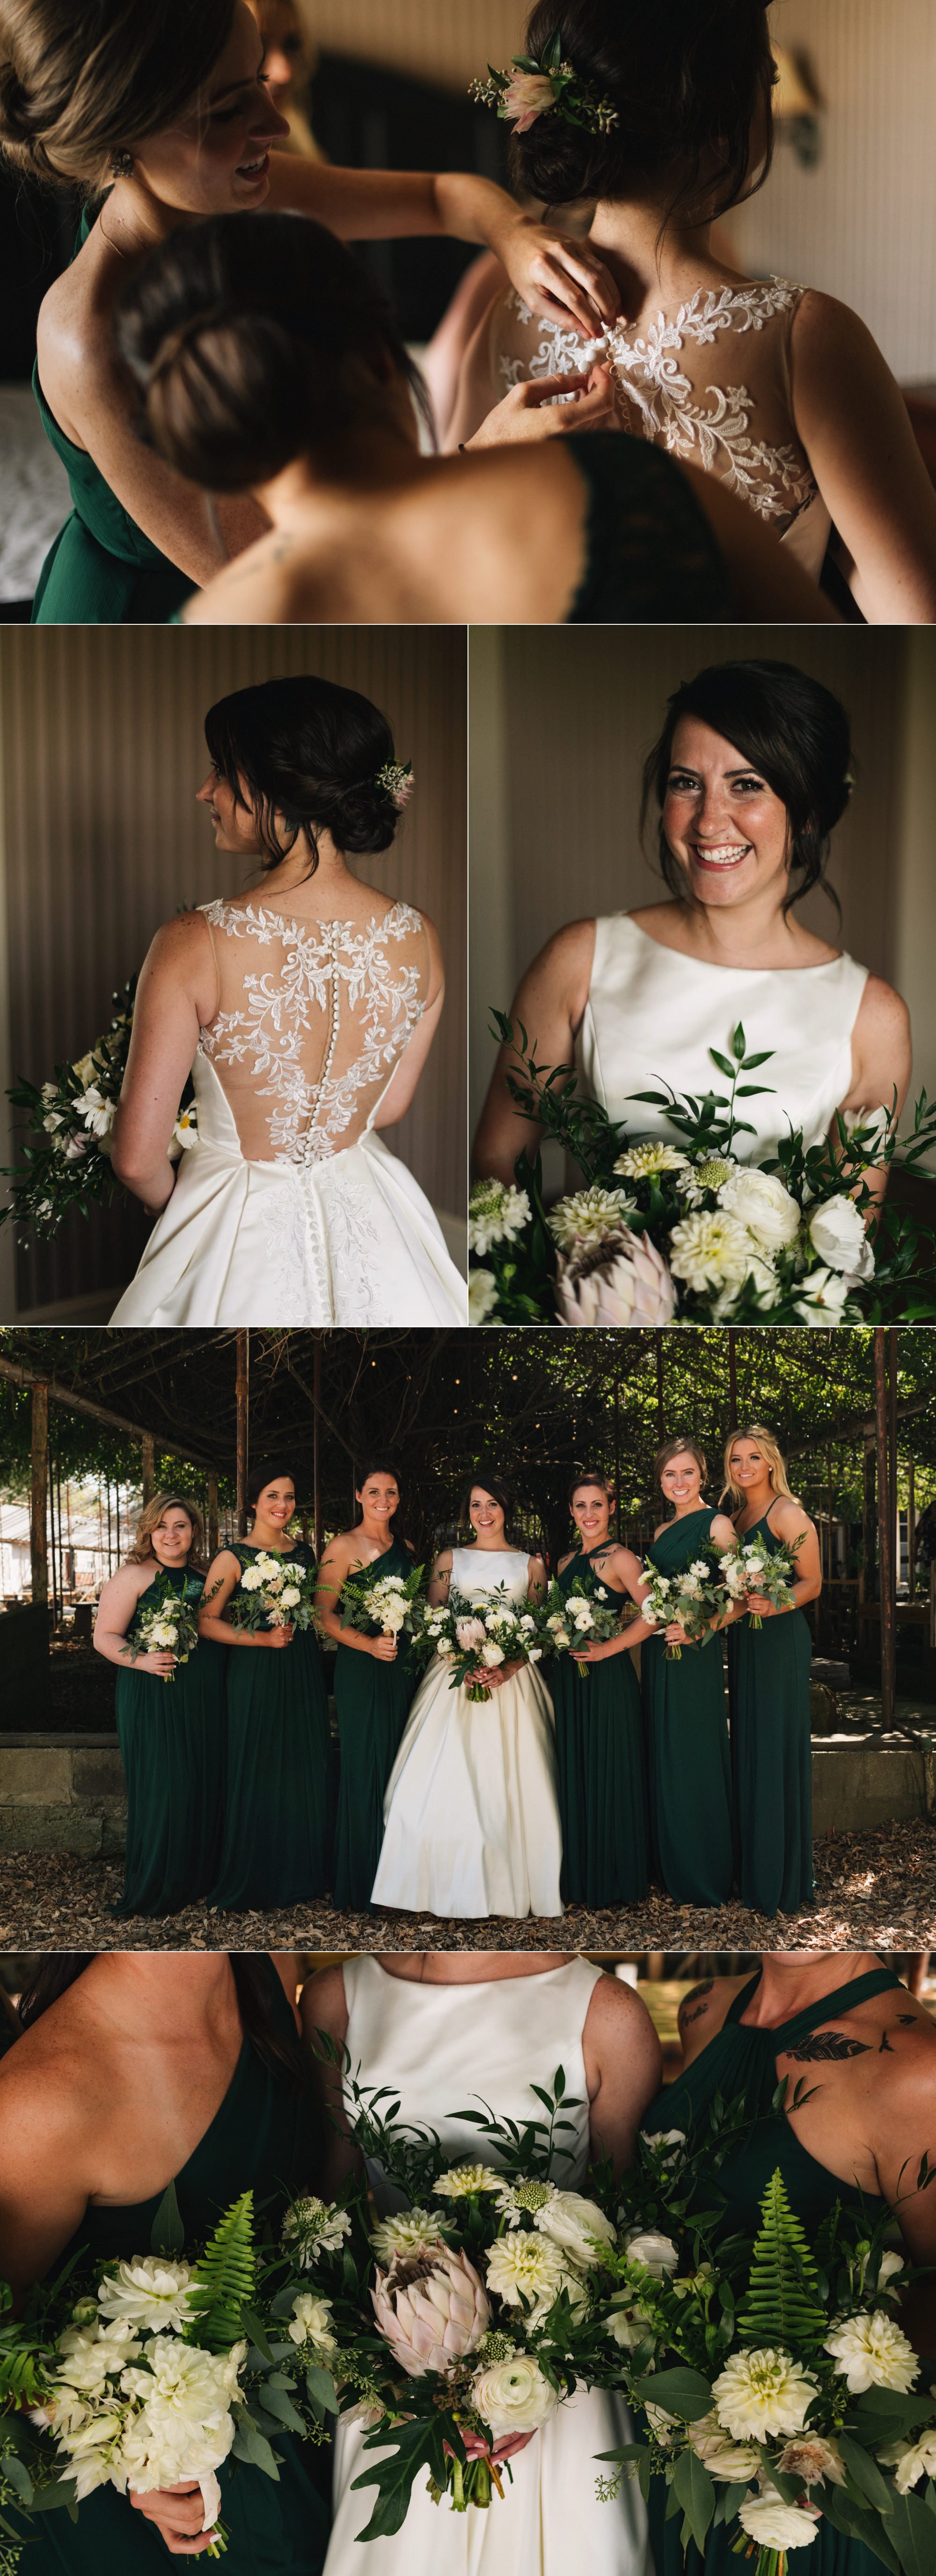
pixel 243 1393
pixel 885 1524
pixel 892 1448
pixel 733 1381
pixel 316 1454
pixel 148 1446
pixel 39 1494
pixel 212 1516
pixel 911 1526
pixel 661 1414
pixel 617 1442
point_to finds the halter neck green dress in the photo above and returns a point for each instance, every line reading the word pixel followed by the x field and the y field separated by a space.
pixel 651 557
pixel 100 570
pixel 270 2138
pixel 277 1825
pixel 688 1757
pixel 771 1755
pixel 372 1701
pixel 602 1779
pixel 740 2060
pixel 171 1738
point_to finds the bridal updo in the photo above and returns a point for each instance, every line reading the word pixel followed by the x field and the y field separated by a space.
pixel 793 731
pixel 252 339
pixel 310 752
pixel 83 80
pixel 691 82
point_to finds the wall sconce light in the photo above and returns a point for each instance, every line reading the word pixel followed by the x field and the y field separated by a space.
pixel 796 105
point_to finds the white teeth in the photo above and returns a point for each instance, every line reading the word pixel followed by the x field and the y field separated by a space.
pixel 725 856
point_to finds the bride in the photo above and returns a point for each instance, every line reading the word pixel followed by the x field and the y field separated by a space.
pixel 773 388
pixel 471 1812
pixel 305 1016
pixel 750 775
pixel 435 2027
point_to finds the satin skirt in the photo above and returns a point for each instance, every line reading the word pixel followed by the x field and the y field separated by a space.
pixel 471 1815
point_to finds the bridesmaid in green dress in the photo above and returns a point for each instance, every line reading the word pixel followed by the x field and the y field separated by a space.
pixel 171 1730
pixel 599 1727
pixel 768 1685
pixel 136 2069
pixel 684 1704
pixel 277 1826
pixel 851 2139
pixel 374 1683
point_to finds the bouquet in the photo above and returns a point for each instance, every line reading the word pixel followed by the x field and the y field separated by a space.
pixel 469 1634
pixel 70 1119
pixel 755 1568
pixel 589 1612
pixel 168 1626
pixel 383 1605
pixel 273 1593
pixel 687 1600
pixel 687 1233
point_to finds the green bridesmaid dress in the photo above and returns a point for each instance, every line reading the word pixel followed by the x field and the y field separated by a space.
pixel 740 2060
pixel 172 1747
pixel 771 1755
pixel 602 1782
pixel 688 1757
pixel 100 570
pixel 651 557
pixel 372 1701
pixel 268 2137
pixel 275 1847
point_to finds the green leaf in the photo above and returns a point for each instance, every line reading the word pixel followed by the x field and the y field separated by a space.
pixel 866 2474
pixel 723 1062
pixel 18 2476
pixel 913 2532
pixel 680 2392
pixel 250 2445
pixel 781 2304
pixel 226 2272
pixel 696 2494
pixel 279 2405
pixel 168 2235
pixel 417 2446
pixel 738 1044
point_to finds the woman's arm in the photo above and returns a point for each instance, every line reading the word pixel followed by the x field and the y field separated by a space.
pixel 323 2006
pixel 788 1523
pixel 220 1581
pixel 623 2067
pixel 550 1004
pixel 856 430
pixel 117 1603
pixel 882 1063
pixel 537 1580
pixel 404 1081
pixel 176 997
pixel 337 1563
pixel 440 1579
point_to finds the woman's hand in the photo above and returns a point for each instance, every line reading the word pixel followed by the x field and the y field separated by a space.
pixel 561 279
pixel 273 1636
pixel 384 1648
pixel 533 411
pixel 598 1652
pixel 675 1635
pixel 155 1663
pixel 505 2449
pixel 764 1609
pixel 179 2516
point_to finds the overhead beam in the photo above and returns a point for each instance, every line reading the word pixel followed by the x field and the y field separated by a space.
pixel 65 1395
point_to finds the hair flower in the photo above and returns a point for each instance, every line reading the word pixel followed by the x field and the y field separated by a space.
pixel 397 782
pixel 550 87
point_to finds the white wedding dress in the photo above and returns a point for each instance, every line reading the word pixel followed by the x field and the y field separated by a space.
pixel 289 1209
pixel 709 379
pixel 471 1813
pixel 439 2048
pixel 652 1015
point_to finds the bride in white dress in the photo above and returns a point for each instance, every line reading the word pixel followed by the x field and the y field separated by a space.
pixel 440 2028
pixel 305 1014
pixel 471 1813
pixel 750 775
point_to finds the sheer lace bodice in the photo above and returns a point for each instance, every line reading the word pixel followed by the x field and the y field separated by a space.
pixel 708 379
pixel 311 1022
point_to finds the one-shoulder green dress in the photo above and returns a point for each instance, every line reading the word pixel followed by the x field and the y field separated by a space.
pixel 771 1755
pixel 741 2060
pixel 602 1774
pixel 100 570
pixel 171 1738
pixel 688 1757
pixel 277 1823
pixel 266 2137
pixel 651 556
pixel 372 1703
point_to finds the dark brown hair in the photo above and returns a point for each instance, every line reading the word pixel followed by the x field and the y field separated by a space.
pixel 591 1476
pixel 490 1484
pixel 81 80
pixel 792 730
pixel 380 1465
pixel 253 1972
pixel 269 1472
pixel 687 79
pixel 310 751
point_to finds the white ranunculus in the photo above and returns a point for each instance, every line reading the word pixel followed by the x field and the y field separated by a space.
pixel 313 2322
pixel 759 1201
pixel 535 1655
pixel 657 2252
pixel 527 2267
pixel 891 2263
pixel 577 2225
pixel 775 2525
pixel 733 2461
pixel 151 2293
pixel 251 1579
pixel 870 2352
pixel 513 2396
pixel 763 2392
pixel 289 1596
pixel 492 1654
pixel 837 1233
pixel 628 2322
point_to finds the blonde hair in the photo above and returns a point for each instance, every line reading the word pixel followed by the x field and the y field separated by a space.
pixel 775 1464
pixel 679 1449
pixel 83 80
pixel 143 1550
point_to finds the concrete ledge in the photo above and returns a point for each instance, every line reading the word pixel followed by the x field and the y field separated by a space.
pixel 871 1782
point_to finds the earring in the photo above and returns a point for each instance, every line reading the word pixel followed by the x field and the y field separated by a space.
pixel 121 165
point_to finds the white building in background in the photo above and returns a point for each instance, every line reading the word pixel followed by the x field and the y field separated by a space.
pixel 82 1558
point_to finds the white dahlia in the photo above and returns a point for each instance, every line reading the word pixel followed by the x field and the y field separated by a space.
pixel 150 2293
pixel 760 2393
pixel 645 1162
pixel 711 1251
pixel 870 2352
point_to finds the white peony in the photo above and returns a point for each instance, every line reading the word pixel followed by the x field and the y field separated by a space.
pixel 759 1201
pixel 837 1233
pixel 711 1251
pixel 492 1654
pixel 577 2226
pixel 513 2396
pixel 775 2525
pixel 482 1295
pixel 764 2392
pixel 320 2226
pixel 150 2293
pixel 657 2253
pixel 496 1214
pixel 312 2322
pixel 527 2268
pixel 870 2352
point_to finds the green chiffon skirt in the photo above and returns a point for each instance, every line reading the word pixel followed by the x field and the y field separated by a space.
pixel 602 1782
pixel 277 1826
pixel 771 1760
pixel 372 1701
pixel 690 1772
pixel 273 2528
pixel 171 1737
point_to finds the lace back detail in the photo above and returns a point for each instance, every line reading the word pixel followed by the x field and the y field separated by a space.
pixel 312 1019
pixel 666 389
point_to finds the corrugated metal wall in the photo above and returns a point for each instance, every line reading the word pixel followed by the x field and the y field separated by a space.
pixel 103 750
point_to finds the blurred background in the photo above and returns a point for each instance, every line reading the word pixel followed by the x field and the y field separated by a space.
pixel 101 751
pixel 850 205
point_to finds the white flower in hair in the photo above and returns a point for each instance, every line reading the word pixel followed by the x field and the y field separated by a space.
pixel 397 781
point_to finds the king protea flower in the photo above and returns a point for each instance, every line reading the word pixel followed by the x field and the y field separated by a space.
pixel 623 1280
pixel 431 2310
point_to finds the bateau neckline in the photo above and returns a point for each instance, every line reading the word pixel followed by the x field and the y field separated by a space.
pixel 429 1986
pixel 706 966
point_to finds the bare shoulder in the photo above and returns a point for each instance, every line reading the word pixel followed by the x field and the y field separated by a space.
pixel 788 1518
pixel 702 2012
pixel 180 947
pixel 723 1530
pixel 537 1569
pixel 323 2004
pixel 824 330
pixel 882 1012
pixel 443 1562
pixel 618 2017
pixel 50 2081
pixel 561 971
pixel 565 1560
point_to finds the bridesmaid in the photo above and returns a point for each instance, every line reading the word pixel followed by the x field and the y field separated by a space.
pixel 171 1732
pixel 374 1682
pixel 684 1703
pixel 599 1731
pixel 768 1682
pixel 276 1829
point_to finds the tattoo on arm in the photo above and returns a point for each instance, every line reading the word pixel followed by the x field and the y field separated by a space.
pixel 885 2044
pixel 825 2044
pixel 684 2015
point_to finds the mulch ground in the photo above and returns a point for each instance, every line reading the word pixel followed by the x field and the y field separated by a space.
pixel 873 1891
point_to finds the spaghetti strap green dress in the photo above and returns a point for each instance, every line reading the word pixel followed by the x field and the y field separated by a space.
pixel 771 1755
pixel 269 2138
pixel 650 555
pixel 100 570
pixel 372 1702
pixel 277 1825
pixel 171 1737
pixel 688 1757
pixel 602 1777
pixel 740 2060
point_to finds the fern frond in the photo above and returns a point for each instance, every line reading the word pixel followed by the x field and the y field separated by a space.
pixel 781 2304
pixel 226 2273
